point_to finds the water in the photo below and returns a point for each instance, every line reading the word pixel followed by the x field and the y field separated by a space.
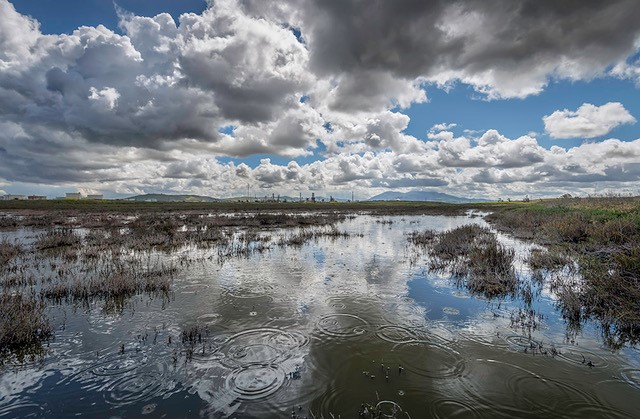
pixel 323 329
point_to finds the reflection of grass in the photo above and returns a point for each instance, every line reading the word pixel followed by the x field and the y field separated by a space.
pixel 107 261
pixel 603 236
pixel 115 257
pixel 474 255
pixel 114 284
pixel 56 239
pixel 306 235
pixel 23 327
pixel 8 251
pixel 545 260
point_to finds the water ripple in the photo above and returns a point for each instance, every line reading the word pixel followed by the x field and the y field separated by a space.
pixel 342 325
pixel 452 408
pixel 255 381
pixel 135 388
pixel 262 345
pixel 21 409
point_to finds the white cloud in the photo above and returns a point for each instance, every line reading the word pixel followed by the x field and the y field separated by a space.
pixel 588 121
pixel 440 135
pixel 442 127
pixel 491 165
pixel 625 70
pixel 143 110
pixel 18 34
pixel 107 96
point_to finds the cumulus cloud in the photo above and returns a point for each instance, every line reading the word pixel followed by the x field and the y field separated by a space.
pixel 490 165
pixel 625 70
pixel 442 127
pixel 503 48
pixel 158 84
pixel 18 34
pixel 148 109
pixel 588 121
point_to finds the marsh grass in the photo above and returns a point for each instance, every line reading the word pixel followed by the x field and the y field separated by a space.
pixel 546 261
pixel 24 327
pixel 9 251
pixel 491 270
pixel 612 295
pixel 473 256
pixel 306 235
pixel 112 283
pixel 297 239
pixel 56 239
pixel 8 222
pixel 18 278
pixel 592 260
pixel 192 337
pixel 422 238
pixel 91 257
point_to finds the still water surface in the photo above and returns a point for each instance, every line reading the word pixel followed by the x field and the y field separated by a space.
pixel 318 331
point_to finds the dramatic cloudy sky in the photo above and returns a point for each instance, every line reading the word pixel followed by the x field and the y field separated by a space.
pixel 494 98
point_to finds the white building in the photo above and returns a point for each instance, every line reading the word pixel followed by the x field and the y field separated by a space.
pixel 73 195
pixel 96 196
pixel 13 197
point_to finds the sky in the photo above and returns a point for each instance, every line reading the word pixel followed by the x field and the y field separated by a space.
pixel 492 99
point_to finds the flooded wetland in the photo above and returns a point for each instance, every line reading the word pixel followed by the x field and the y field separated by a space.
pixel 317 313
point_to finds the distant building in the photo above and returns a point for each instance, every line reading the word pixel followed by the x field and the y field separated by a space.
pixel 73 195
pixel 37 198
pixel 14 197
pixel 96 196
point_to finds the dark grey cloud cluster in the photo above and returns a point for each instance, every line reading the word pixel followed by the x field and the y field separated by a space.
pixel 507 48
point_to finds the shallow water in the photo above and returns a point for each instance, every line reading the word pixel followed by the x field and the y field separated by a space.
pixel 320 330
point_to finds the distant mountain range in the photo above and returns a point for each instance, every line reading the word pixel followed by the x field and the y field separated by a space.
pixel 159 197
pixel 385 196
pixel 422 196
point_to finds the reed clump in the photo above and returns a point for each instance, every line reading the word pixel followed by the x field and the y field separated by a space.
pixel 490 268
pixel 24 326
pixel 549 261
pixel 422 238
pixel 592 259
pixel 9 251
pixel 192 335
pixel 612 295
pixel 56 239
pixel 111 284
pixel 307 234
pixel 473 256
pixel 8 222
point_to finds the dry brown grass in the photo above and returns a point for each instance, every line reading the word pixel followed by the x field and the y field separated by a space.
pixel 549 261
pixel 56 239
pixel 472 255
pixel 599 240
pixel 9 251
pixel 24 327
